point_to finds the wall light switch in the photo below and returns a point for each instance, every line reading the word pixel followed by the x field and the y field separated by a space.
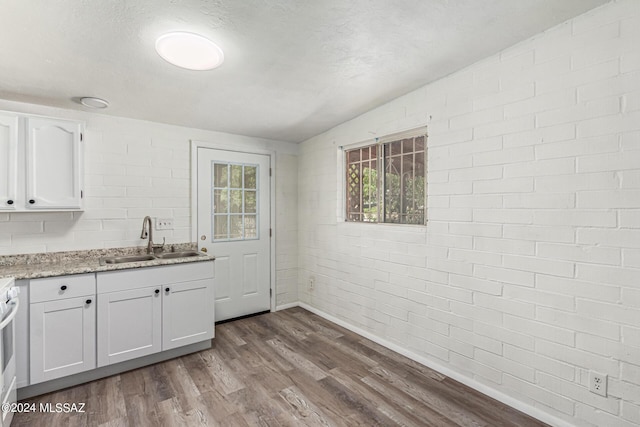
pixel 164 224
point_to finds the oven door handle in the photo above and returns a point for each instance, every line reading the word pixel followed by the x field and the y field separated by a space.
pixel 15 303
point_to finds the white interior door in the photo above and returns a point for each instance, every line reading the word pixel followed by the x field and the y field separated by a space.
pixel 233 224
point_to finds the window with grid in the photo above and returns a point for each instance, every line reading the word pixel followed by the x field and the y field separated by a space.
pixel 235 207
pixel 386 182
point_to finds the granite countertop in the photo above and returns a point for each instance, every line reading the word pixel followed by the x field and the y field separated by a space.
pixel 50 264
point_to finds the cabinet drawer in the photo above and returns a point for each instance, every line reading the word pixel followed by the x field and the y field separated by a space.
pixel 62 287
pixel 136 278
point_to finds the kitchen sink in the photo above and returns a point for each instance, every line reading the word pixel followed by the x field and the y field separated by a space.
pixel 124 259
pixel 185 254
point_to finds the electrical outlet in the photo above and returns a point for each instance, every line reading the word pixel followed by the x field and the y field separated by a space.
pixel 312 282
pixel 598 383
pixel 164 224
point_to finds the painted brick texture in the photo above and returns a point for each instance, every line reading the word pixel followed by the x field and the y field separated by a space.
pixel 527 275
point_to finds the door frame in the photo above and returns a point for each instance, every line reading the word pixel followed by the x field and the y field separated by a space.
pixel 272 200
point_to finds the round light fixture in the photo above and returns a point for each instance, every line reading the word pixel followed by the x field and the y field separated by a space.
pixel 92 102
pixel 190 51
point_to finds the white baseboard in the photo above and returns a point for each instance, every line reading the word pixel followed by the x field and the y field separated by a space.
pixel 289 305
pixel 470 382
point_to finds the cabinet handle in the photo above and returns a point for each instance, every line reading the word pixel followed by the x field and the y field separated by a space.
pixel 167 289
pixel 157 291
pixel 63 287
pixel 9 202
pixel 88 301
pixel 31 201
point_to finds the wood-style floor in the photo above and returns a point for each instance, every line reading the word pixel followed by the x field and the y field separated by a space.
pixel 289 368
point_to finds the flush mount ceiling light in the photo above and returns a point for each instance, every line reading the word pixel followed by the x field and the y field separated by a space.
pixel 92 102
pixel 190 51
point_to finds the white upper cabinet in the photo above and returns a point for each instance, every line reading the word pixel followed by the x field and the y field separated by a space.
pixel 41 164
pixel 8 161
pixel 53 164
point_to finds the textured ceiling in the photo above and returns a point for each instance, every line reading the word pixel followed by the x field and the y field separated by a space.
pixel 292 69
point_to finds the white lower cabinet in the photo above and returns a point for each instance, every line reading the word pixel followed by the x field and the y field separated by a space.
pixel 145 311
pixel 62 333
pixel 80 322
pixel 129 325
pixel 186 313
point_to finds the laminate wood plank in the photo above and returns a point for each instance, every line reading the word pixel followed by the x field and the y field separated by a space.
pixel 386 356
pixel 427 415
pixel 394 407
pixel 116 422
pixel 107 400
pixel 234 420
pixel 362 409
pixel 451 409
pixel 287 326
pixel 313 323
pixel 259 408
pixel 170 414
pixel 289 368
pixel 184 388
pixel 300 362
pixel 141 410
pixel 305 411
pixel 220 372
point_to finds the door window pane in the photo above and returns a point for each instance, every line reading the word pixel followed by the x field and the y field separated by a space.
pixel 249 201
pixel 220 201
pixel 236 176
pixel 250 176
pixel 220 230
pixel 250 227
pixel 235 227
pixel 220 175
pixel 235 200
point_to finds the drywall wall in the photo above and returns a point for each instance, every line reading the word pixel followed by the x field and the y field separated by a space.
pixel 527 275
pixel 135 168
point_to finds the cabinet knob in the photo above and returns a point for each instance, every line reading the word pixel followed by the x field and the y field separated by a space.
pixel 9 202
pixel 167 289
pixel 31 201
pixel 63 287
pixel 157 291
pixel 88 301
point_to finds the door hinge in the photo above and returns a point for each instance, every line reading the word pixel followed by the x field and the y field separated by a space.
pixel 81 136
pixel 270 292
pixel 270 232
pixel 81 194
pixel 270 171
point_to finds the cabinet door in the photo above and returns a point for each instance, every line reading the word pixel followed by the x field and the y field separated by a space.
pixel 62 338
pixel 8 161
pixel 130 323
pixel 187 313
pixel 54 166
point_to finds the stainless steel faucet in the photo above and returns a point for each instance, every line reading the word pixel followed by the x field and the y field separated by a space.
pixel 148 233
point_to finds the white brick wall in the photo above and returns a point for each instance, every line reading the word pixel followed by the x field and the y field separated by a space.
pixel 527 275
pixel 136 168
